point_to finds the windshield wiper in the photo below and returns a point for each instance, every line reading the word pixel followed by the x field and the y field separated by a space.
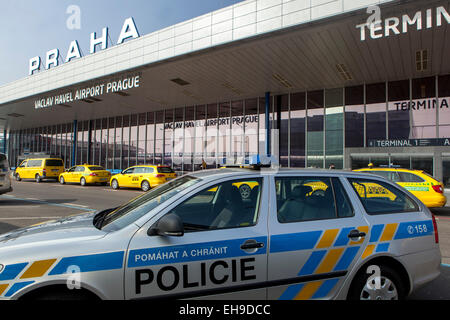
pixel 100 217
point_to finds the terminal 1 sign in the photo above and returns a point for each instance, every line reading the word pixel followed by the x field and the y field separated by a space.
pixel 129 30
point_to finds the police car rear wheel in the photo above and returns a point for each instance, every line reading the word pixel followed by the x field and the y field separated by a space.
pixel 390 286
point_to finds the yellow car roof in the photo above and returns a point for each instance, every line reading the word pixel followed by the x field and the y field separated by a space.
pixel 387 169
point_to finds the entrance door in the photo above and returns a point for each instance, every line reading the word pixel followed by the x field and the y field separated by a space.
pixel 222 252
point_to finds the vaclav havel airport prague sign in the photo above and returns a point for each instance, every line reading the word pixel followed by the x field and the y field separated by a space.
pixel 88 92
pixel 129 30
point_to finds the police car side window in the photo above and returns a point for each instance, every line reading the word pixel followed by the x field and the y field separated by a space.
pixel 379 197
pixel 230 204
pixel 309 198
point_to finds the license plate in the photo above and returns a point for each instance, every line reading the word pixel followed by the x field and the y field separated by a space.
pixel 103 179
pixel 55 170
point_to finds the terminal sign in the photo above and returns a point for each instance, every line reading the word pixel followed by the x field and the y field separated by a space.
pixel 441 142
pixel 129 30
pixel 395 25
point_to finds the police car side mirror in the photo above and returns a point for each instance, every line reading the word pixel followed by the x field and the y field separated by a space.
pixel 169 225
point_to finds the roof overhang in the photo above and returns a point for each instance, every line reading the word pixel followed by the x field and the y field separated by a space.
pixel 306 56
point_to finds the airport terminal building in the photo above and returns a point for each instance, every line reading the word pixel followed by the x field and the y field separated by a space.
pixel 312 82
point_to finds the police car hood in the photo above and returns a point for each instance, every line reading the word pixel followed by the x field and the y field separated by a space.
pixel 72 228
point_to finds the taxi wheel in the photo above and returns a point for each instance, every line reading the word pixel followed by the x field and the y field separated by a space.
pixel 391 286
pixel 115 184
pixel 18 178
pixel 245 191
pixel 83 182
pixel 37 178
pixel 62 181
pixel 145 186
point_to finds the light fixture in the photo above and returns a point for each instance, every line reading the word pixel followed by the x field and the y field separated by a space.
pixel 229 86
pixel 180 81
pixel 343 71
pixel 422 60
pixel 282 80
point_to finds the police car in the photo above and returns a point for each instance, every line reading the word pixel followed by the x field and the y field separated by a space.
pixel 196 236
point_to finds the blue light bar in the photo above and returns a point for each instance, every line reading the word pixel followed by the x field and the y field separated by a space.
pixel 255 160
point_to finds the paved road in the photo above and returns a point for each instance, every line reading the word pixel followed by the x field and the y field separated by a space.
pixel 31 203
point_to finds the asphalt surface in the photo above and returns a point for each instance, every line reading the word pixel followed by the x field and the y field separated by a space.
pixel 32 203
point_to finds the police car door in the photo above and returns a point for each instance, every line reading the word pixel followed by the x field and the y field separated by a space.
pixel 315 237
pixel 222 253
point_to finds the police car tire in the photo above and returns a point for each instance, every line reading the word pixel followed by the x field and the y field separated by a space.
pixel 361 278
pixel 145 186
pixel 83 182
pixel 37 178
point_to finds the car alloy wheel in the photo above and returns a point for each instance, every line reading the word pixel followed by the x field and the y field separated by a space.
pixel 38 178
pixel 61 180
pixel 145 186
pixel 115 184
pixel 83 182
pixel 386 291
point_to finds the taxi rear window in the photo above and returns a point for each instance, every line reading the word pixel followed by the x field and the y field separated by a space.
pixel 165 170
pixel 379 197
pixel 98 168
pixel 54 163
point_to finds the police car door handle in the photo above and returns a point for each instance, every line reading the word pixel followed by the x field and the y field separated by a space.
pixel 251 244
pixel 356 234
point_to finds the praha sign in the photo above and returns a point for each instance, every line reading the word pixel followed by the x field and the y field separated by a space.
pixel 129 30
pixel 88 92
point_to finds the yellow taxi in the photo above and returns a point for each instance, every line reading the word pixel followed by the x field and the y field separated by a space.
pixel 85 174
pixel 144 177
pixel 425 187
pixel 39 169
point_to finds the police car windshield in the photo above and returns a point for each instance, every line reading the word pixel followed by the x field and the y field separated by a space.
pixel 138 207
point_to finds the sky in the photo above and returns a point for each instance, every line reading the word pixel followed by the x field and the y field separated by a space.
pixel 30 28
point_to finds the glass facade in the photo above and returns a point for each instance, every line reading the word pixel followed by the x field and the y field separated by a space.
pixel 314 128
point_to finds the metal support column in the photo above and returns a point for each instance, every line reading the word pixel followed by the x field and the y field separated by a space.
pixel 74 143
pixel 267 127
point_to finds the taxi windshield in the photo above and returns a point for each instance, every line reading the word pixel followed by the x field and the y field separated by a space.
pixel 138 207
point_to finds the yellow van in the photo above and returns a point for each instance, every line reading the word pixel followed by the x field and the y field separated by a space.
pixel 39 169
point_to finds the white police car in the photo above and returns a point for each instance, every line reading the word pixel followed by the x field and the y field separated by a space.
pixel 300 234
